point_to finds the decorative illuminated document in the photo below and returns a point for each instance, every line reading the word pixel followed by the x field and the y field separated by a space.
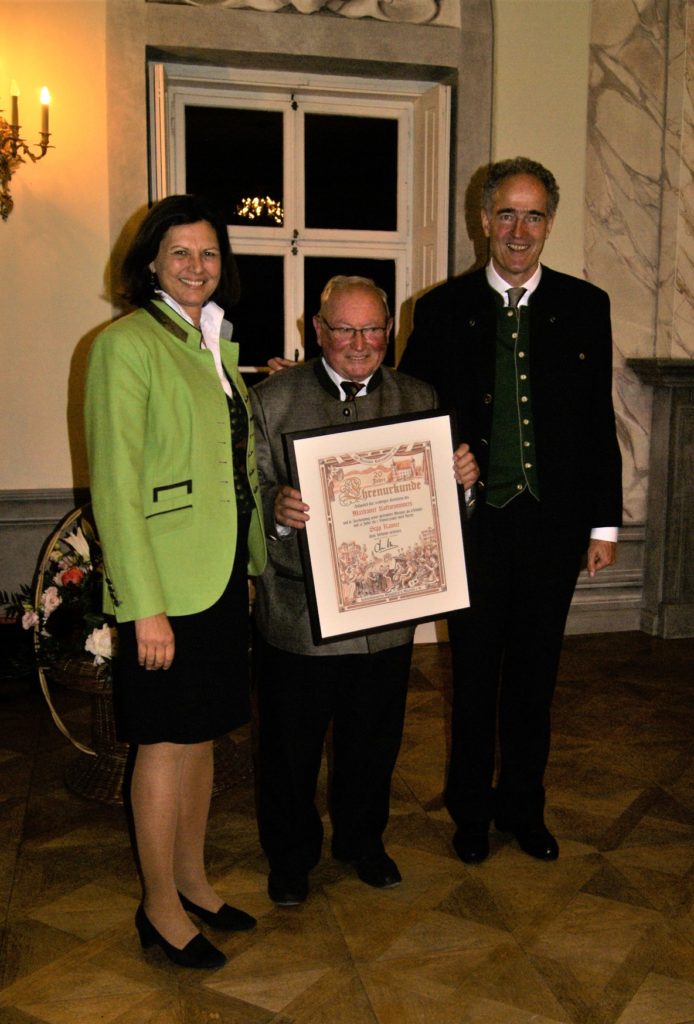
pixel 383 545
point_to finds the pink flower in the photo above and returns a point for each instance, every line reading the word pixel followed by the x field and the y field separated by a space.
pixel 29 619
pixel 50 599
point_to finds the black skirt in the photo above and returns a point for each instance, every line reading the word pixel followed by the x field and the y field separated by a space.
pixel 205 692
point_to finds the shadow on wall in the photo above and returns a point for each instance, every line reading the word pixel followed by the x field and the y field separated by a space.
pixel 473 221
pixel 80 356
pixel 480 244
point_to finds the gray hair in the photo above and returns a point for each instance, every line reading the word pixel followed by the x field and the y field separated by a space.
pixel 342 283
pixel 498 172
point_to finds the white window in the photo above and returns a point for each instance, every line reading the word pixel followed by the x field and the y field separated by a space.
pixel 316 175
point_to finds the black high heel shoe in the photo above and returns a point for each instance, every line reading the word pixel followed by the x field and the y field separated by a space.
pixel 227 918
pixel 199 952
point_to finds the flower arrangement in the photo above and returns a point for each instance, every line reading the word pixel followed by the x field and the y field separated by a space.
pixel 66 618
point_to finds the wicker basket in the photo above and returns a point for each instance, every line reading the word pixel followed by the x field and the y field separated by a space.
pixel 98 771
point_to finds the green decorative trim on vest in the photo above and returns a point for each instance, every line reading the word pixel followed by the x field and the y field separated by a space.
pixel 512 462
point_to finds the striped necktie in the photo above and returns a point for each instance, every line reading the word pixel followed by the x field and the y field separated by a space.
pixel 351 389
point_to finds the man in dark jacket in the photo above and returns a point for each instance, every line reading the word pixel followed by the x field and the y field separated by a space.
pixel 523 354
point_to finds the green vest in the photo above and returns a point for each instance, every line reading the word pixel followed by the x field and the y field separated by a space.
pixel 512 461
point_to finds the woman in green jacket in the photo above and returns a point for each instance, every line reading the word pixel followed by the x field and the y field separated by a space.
pixel 175 497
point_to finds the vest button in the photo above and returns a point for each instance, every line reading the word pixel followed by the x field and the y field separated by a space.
pixel 581 355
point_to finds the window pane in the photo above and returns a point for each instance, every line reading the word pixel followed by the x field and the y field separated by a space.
pixel 232 155
pixel 317 272
pixel 258 319
pixel 351 172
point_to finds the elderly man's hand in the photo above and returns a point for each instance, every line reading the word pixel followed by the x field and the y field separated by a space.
pixel 290 510
pixel 465 466
pixel 278 363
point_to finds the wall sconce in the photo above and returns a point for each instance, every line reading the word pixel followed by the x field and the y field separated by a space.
pixel 14 149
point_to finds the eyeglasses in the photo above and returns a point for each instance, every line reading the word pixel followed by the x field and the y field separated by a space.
pixel 345 334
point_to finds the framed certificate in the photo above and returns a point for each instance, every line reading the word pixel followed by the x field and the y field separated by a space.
pixel 383 545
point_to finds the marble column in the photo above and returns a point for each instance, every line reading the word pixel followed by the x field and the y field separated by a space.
pixel 640 236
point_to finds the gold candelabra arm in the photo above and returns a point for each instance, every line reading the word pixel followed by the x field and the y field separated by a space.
pixel 13 151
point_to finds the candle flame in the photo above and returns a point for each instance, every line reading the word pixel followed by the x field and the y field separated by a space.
pixel 45 96
pixel 14 88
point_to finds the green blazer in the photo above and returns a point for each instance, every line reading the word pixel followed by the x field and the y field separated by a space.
pixel 159 445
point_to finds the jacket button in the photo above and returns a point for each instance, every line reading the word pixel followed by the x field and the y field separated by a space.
pixel 472 323
pixel 553 319
pixel 581 355
pixel 483 440
pixel 487 399
pixel 346 412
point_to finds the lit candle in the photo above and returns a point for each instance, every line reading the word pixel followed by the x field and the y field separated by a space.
pixel 45 100
pixel 14 91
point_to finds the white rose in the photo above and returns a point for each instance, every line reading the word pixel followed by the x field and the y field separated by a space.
pixel 98 643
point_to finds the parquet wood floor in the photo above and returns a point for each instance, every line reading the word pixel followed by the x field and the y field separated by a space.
pixel 603 936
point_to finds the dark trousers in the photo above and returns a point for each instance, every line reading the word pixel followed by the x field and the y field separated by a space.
pixel 298 696
pixel 506 647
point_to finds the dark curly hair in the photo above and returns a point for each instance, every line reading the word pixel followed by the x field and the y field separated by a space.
pixel 139 283
pixel 498 172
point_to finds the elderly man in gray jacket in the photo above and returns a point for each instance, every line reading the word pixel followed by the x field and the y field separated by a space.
pixel 359 683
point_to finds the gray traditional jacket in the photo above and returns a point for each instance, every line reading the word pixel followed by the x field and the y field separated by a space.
pixel 302 398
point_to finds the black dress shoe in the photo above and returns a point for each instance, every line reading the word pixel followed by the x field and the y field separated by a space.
pixel 227 918
pixel 535 840
pixel 471 843
pixel 199 952
pixel 376 869
pixel 287 890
